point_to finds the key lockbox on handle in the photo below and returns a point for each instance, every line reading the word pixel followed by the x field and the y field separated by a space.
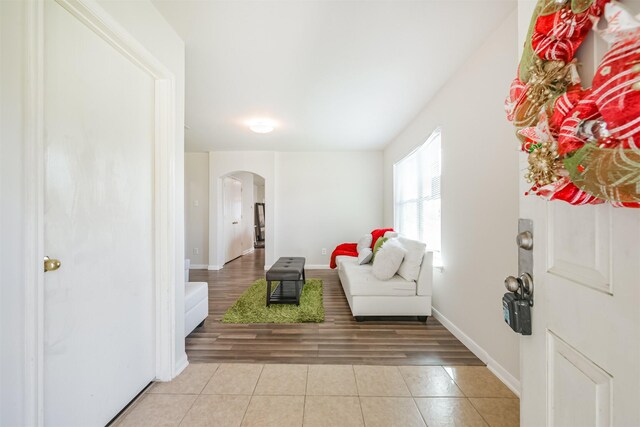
pixel 517 303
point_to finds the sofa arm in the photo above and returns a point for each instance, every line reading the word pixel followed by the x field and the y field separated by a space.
pixel 425 278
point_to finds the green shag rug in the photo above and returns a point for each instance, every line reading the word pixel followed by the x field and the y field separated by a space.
pixel 251 306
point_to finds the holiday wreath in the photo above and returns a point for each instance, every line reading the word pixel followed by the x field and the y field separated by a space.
pixel 583 144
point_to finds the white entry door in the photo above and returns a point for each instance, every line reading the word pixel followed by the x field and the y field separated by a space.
pixel 99 332
pixel 232 193
pixel 581 365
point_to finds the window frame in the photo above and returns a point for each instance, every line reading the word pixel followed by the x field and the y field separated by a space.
pixel 436 133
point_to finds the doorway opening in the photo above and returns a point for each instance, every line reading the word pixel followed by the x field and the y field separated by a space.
pixel 243 212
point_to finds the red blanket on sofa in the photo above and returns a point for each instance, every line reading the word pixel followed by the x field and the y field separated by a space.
pixel 351 249
pixel 347 249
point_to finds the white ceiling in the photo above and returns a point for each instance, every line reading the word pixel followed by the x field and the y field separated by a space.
pixel 333 75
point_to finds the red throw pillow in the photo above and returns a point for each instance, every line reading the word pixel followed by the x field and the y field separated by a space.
pixel 376 234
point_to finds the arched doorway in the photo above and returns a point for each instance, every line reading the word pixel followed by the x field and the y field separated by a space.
pixel 224 163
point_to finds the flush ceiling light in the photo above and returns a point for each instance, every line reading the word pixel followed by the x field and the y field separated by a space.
pixel 261 126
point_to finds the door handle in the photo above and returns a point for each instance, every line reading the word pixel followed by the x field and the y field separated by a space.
pixel 51 264
pixel 523 286
pixel 234 222
pixel 517 303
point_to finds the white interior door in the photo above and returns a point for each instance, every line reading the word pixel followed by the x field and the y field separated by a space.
pixel 232 193
pixel 99 333
pixel 581 365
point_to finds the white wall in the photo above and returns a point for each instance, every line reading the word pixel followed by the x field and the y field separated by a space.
pixel 479 196
pixel 12 342
pixel 145 23
pixel 258 193
pixel 324 199
pixel 196 180
pixel 148 26
pixel 321 200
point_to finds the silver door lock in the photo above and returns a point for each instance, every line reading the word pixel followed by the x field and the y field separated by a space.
pixel 522 286
pixel 517 303
pixel 524 240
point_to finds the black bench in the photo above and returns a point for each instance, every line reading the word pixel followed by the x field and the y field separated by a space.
pixel 289 271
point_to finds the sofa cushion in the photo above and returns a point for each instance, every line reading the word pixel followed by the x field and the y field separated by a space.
pixel 365 256
pixel 376 234
pixel 391 234
pixel 378 245
pixel 359 280
pixel 344 259
pixel 410 267
pixel 194 292
pixel 364 242
pixel 388 259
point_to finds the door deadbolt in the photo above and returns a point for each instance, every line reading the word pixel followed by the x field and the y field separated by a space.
pixel 51 264
pixel 525 240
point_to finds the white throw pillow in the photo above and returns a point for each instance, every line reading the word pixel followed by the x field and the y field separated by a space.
pixel 388 259
pixel 390 234
pixel 410 267
pixel 364 242
pixel 364 256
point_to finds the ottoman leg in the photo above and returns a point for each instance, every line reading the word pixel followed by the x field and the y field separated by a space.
pixel 297 292
pixel 268 293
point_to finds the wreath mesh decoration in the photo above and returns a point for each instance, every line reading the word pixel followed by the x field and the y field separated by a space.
pixel 583 144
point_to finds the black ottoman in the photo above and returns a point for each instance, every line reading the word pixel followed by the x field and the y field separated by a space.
pixel 289 271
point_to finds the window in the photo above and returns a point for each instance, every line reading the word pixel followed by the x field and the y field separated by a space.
pixel 417 195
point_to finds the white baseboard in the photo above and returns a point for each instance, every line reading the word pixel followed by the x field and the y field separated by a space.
pixel 316 267
pixel 214 267
pixel 248 251
pixel 181 365
pixel 198 267
pixel 504 376
pixel 499 371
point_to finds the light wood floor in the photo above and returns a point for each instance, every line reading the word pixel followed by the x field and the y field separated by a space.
pixel 339 340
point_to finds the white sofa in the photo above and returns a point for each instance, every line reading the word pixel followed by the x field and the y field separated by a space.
pixel 196 305
pixel 196 301
pixel 369 296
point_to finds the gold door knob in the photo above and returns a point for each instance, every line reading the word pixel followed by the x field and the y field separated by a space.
pixel 51 264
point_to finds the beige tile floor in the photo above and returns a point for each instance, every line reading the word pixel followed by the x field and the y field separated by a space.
pixel 242 394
